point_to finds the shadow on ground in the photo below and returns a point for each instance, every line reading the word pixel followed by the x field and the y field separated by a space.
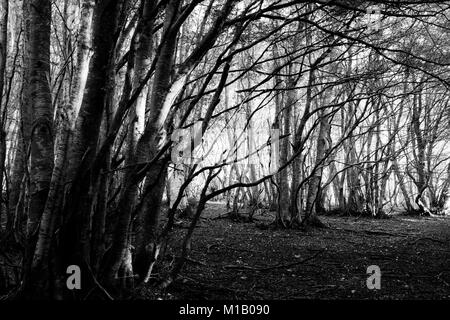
pixel 240 261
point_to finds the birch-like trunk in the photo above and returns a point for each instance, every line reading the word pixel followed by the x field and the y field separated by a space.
pixel 4 10
pixel 283 182
pixel 165 91
pixel 419 146
pixel 41 154
pixel 147 147
pixel 76 228
pixel 83 53
pixel 70 106
pixel 41 145
pixel 316 177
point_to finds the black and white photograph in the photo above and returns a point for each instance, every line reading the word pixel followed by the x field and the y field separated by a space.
pixel 236 151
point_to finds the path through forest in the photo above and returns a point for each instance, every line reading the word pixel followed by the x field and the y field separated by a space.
pixel 232 260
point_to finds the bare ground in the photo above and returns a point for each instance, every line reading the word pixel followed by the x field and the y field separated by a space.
pixel 236 260
pixel 233 260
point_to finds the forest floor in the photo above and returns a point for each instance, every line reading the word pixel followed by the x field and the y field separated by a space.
pixel 235 260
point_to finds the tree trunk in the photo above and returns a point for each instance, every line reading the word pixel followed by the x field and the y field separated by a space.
pixel 76 229
pixel 147 148
pixel 284 207
pixel 41 154
pixel 4 10
pixel 311 218
pixel 82 59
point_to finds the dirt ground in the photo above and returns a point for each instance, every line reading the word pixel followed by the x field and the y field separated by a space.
pixel 238 260
pixel 235 260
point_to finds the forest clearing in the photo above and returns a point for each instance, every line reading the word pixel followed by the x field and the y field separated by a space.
pixel 241 261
